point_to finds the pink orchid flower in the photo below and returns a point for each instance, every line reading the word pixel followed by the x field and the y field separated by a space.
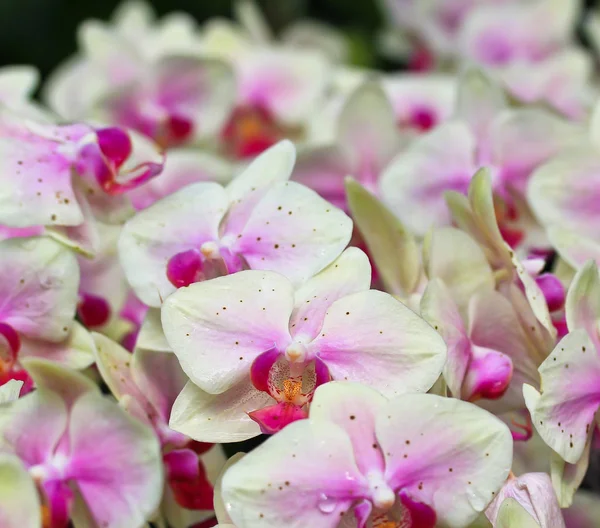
pixel 153 80
pixel 564 413
pixel 278 89
pixel 61 176
pixel 146 384
pixel 39 294
pixel 251 344
pixel 534 493
pixel 367 139
pixel 258 221
pixel 562 194
pixel 483 133
pixel 55 432
pixel 361 460
pixel 531 47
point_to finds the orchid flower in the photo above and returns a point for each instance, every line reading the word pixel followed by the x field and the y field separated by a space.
pixel 63 176
pixel 251 344
pixel 361 460
pixel 532 294
pixel 17 84
pixel 55 432
pixel 562 195
pixel 530 46
pixel 564 412
pixel 258 221
pixel 483 133
pixel 534 493
pixel 39 295
pixel 278 88
pixel 146 385
pixel 367 139
pixel 154 80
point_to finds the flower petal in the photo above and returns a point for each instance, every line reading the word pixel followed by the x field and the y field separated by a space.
pixel 564 412
pixel 446 453
pixel 218 327
pixel 353 407
pixel 293 231
pixel 576 249
pixel 582 306
pixel 511 513
pixel 304 475
pixel 182 221
pixel 372 338
pixel 120 478
pixel 38 288
pixel 20 507
pixel 10 391
pixel 444 160
pixel 220 417
pixel 393 249
pixel 349 273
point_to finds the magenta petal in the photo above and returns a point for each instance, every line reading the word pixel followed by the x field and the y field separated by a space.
pixel 93 310
pixel 274 418
pixel 185 268
pixel 420 515
pixel 362 511
pixel 59 499
pixel 488 376
pixel 14 342
pixel 261 367
pixel 181 464
pixel 114 144
pixel 553 291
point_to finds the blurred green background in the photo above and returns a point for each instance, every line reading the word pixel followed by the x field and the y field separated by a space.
pixel 42 32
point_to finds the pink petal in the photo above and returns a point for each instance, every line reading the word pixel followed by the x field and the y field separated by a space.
pixel 274 418
pixel 303 476
pixel 218 327
pixel 120 478
pixel 445 453
pixel 564 412
pixel 294 232
pixel 372 338
pixel 349 273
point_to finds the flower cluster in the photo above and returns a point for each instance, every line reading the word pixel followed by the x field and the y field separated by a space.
pixel 213 233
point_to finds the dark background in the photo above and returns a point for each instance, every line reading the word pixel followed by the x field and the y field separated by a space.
pixel 42 32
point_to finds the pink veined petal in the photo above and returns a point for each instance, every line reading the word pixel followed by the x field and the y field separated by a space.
pixel 20 506
pixel 121 477
pixel 489 375
pixel 293 231
pixel 564 412
pixel 303 476
pixel 444 159
pixel 218 327
pixel 290 83
pixel 353 407
pixel 182 221
pixel 445 453
pixel 440 311
pixel 583 302
pixel 34 426
pixel 372 338
pixel 38 290
pixel 323 169
pixel 534 492
pixel 563 191
pixel 248 188
pixel 349 273
pixel 368 133
pixel 218 417
pixel 36 183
